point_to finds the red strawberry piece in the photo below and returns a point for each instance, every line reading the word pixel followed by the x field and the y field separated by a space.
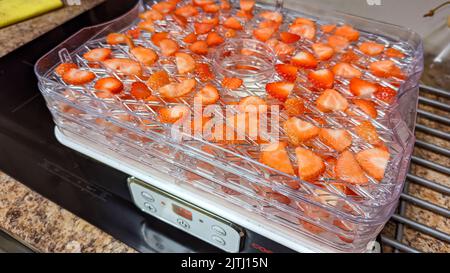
pixel 180 20
pixel 303 30
pixel 338 43
pixel 350 57
pixel 348 32
pixel 176 90
pixel 203 2
pixel 207 95
pixel 233 23
pixel 331 100
pixel 148 26
pixel 394 53
pixel 368 132
pixel 374 162
pixel 276 156
pixel 225 5
pixel 367 106
pixel 247 5
pixel 294 106
pixel 158 79
pixel 323 52
pixel 134 33
pixel 263 34
pixel 186 11
pixel 173 114
pixel 119 38
pixel 346 70
pixel 212 8
pixel 232 83
pixel 304 59
pixel 199 47
pixel 328 28
pixel 253 104
pixel 371 48
pixel 362 88
pixel 289 38
pixel 287 71
pixel 203 28
pixel 386 94
pixel 338 139
pixel 109 84
pixel 323 78
pixel 185 63
pixel 299 131
pixel 190 38
pixel 280 90
pixel 272 16
pixel 125 66
pixel 348 169
pixel 164 7
pixel 310 165
pixel 140 91
pixel 385 69
pixel 146 56
pixel 214 39
pixel 64 67
pixel 303 21
pixel 97 54
pixel 158 37
pixel 77 76
pixel 168 47
pixel 152 15
pixel 204 72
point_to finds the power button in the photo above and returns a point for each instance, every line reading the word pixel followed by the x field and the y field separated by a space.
pixel 183 223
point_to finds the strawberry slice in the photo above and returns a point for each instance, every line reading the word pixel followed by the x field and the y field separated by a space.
pixel 134 33
pixel 64 67
pixel 232 83
pixel 386 69
pixel 207 95
pixel 164 7
pixel 190 38
pixel 199 47
pixel 310 165
pixel 371 48
pixel 280 90
pixel 348 32
pixel 276 156
pixel 203 72
pixel 140 91
pixel 346 70
pixel 168 47
pixel 97 54
pixel 294 106
pixel 109 84
pixel 202 3
pixel 247 5
pixel 212 8
pixel 386 94
pixel 303 21
pixel 374 162
pixel 304 59
pixel 185 62
pixel 348 169
pixel 287 71
pixel 394 53
pixel 272 16
pixel 119 38
pixel 323 78
pixel 158 79
pixel 147 26
pixel 180 20
pixel 368 132
pixel 252 104
pixel 263 34
pixel 331 100
pixel 146 56
pixel 323 51
pixel 225 5
pixel 337 139
pixel 367 106
pixel 152 15
pixel 350 57
pixel 125 66
pixel 158 37
pixel 328 28
pixel 303 30
pixel 362 88
pixel 214 39
pixel 233 23
pixel 173 114
pixel 186 11
pixel 299 131
pixel 203 28
pixel 338 43
pixel 176 90
pixel 77 76
pixel 289 38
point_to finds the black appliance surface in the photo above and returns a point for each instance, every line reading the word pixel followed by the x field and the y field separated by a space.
pixel 30 153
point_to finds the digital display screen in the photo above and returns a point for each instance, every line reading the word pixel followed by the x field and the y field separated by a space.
pixel 182 212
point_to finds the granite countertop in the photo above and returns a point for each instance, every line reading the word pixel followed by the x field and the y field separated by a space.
pixel 46 227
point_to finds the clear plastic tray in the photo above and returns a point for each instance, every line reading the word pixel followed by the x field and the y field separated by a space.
pixel 345 220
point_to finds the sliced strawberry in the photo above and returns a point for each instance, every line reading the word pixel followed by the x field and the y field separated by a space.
pixel 146 56
pixel 225 5
pixel 252 104
pixel 323 78
pixel 368 132
pixel 337 139
pixel 348 32
pixel 394 53
pixel 346 70
pixel 158 37
pixel 186 11
pixel 190 38
pixel 374 162
pixel 289 38
pixel 303 30
pixel 280 90
pixel 77 76
pixel 385 69
pixel 338 43
pixel 276 156
pixel 331 100
pixel 152 15
pixel 134 33
pixel 310 165
pixel 299 131
pixel 97 54
pixel 158 79
pixel 125 66
pixel 371 48
pixel 204 72
pixel 328 28
pixel 64 67
pixel 247 5
pixel 168 47
pixel 272 16
pixel 203 28
pixel 362 88
pixel 109 84
pixel 199 47
pixel 147 25
pixel 304 59
pixel 350 57
pixel 386 94
pixel 304 21
pixel 287 71
pixel 180 20
pixel 119 38
pixel 214 39
pixel 177 90
pixel 185 63
pixel 263 34
pixel 323 51
pixel 367 106
pixel 173 114
pixel 164 7
pixel 212 8
pixel 294 106
pixel 232 83
pixel 140 91
pixel 207 95
pixel 230 33
pixel 203 2
pixel 348 169
pixel 233 23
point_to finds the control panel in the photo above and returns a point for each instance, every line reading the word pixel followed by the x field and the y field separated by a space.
pixel 194 220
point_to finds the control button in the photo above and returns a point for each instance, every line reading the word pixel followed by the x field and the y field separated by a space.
pixel 218 240
pixel 150 207
pixel 183 223
pixel 147 196
pixel 219 230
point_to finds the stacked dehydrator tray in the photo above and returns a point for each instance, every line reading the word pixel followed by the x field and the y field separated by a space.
pixel 328 212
